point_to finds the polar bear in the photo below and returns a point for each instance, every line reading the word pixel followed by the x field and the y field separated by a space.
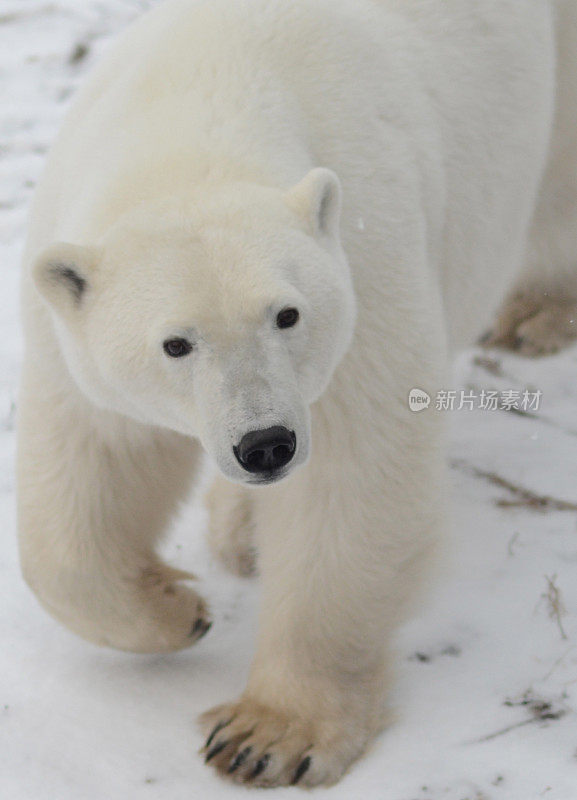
pixel 264 222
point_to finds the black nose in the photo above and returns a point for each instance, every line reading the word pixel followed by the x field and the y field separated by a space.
pixel 266 450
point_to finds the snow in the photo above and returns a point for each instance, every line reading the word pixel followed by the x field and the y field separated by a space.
pixel 485 699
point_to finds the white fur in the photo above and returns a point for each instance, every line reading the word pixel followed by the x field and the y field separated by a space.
pixel 196 188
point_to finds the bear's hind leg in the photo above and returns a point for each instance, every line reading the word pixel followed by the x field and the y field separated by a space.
pixel 534 321
pixel 95 493
pixel 231 526
pixel 540 314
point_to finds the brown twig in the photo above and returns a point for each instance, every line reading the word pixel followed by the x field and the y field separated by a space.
pixel 555 604
pixel 523 497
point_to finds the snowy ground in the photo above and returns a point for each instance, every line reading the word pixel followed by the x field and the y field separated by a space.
pixel 486 695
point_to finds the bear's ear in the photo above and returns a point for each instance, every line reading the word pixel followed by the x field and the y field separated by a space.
pixel 317 199
pixel 63 274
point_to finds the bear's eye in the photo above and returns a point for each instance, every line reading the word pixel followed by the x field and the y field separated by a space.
pixel 287 318
pixel 177 348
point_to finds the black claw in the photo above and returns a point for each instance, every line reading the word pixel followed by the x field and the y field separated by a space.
pixel 207 627
pixel 301 769
pixel 261 765
pixel 222 724
pixel 219 747
pixel 200 627
pixel 240 759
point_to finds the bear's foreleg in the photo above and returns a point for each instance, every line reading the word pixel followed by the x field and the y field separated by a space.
pixel 343 545
pixel 96 491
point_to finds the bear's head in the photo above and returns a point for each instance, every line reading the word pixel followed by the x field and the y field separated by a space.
pixel 222 317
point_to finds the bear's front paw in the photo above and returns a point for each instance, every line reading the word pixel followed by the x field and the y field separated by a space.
pixel 168 615
pixel 256 745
